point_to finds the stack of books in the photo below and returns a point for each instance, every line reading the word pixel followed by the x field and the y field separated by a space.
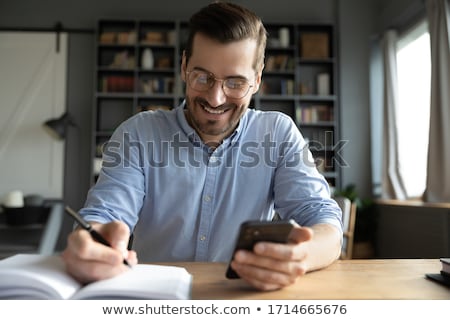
pixel 444 276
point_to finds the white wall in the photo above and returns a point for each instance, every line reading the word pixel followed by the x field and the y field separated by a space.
pixel 32 90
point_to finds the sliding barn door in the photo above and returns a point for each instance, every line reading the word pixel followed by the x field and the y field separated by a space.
pixel 32 90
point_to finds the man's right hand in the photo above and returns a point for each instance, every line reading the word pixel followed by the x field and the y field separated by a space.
pixel 87 260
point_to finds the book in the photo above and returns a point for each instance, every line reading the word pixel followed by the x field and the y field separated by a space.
pixel 314 45
pixel 444 276
pixel 38 277
pixel 445 265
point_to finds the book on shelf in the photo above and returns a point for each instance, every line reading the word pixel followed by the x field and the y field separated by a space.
pixel 123 60
pixel 116 84
pixel 280 62
pixel 38 277
pixel 123 38
pixel 157 85
pixel 282 86
pixel 159 37
pixel 314 45
pixel 314 114
pixel 444 276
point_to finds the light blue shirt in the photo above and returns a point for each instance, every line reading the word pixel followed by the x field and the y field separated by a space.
pixel 185 202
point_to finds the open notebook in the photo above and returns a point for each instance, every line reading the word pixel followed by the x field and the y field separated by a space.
pixel 34 276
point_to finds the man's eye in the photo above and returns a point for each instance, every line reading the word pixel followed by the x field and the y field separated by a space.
pixel 235 83
pixel 203 79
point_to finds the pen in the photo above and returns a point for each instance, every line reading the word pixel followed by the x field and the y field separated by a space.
pixel 86 226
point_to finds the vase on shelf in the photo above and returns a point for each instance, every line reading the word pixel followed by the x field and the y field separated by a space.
pixel 147 59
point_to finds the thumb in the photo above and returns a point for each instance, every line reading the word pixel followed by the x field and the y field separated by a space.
pixel 118 234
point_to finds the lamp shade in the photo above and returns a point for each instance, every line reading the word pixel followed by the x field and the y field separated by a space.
pixel 58 127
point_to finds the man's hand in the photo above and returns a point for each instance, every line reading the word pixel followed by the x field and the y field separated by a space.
pixel 272 266
pixel 87 260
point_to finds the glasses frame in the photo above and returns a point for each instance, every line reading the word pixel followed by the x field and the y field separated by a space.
pixel 212 76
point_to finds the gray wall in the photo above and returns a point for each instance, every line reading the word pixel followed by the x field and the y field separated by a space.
pixel 356 21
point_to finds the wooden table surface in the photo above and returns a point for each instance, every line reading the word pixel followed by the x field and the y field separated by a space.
pixel 345 279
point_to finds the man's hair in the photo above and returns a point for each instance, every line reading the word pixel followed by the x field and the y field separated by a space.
pixel 228 22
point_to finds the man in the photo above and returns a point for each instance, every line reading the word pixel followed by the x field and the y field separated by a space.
pixel 184 180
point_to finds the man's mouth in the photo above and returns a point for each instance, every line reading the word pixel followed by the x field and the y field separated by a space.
pixel 218 110
pixel 213 111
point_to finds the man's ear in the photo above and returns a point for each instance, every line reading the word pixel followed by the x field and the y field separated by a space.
pixel 183 66
pixel 258 80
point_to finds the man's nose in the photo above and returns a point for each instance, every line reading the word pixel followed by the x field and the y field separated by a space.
pixel 216 95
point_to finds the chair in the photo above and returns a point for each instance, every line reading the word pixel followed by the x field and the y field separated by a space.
pixel 348 221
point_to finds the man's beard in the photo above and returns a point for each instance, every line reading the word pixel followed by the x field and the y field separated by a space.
pixel 209 127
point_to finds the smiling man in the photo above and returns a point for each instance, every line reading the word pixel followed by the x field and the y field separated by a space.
pixel 221 78
pixel 182 181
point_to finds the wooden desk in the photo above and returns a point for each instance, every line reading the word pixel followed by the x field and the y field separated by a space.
pixel 345 279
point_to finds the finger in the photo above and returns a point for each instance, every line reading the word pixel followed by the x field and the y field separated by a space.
pixel 86 271
pixel 291 267
pixel 87 260
pixel 301 234
pixel 83 248
pixel 132 257
pixel 261 278
pixel 290 251
pixel 118 234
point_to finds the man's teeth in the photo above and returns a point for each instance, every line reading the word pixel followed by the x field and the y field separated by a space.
pixel 213 111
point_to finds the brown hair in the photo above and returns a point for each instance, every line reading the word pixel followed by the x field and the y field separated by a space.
pixel 228 22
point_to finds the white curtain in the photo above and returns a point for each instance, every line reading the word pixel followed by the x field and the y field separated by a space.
pixel 438 172
pixel 392 183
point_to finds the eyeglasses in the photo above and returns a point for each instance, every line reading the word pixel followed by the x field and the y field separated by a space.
pixel 235 88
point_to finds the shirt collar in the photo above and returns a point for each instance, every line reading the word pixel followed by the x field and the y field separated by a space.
pixel 194 137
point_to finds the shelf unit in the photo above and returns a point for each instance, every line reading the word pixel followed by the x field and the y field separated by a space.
pixel 39 237
pixel 299 79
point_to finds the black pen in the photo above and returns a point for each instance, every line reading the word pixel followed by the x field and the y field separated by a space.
pixel 86 226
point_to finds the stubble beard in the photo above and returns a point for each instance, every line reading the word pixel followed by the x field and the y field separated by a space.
pixel 210 126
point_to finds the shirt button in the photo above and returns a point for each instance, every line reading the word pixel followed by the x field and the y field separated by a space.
pixel 207 198
pixel 202 238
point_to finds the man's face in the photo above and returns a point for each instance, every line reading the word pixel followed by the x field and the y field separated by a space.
pixel 212 113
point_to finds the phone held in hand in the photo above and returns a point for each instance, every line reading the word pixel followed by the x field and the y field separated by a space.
pixel 252 232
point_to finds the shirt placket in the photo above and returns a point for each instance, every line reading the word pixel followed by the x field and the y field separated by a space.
pixel 207 209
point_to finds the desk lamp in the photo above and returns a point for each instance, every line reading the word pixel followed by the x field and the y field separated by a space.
pixel 58 127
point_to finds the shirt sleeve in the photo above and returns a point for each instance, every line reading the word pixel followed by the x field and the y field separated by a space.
pixel 300 191
pixel 120 189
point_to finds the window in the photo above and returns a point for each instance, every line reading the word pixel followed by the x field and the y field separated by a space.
pixel 414 78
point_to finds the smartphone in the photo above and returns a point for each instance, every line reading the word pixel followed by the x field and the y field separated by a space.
pixel 252 232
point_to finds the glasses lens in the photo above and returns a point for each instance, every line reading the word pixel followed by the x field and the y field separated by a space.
pixel 233 87
pixel 199 80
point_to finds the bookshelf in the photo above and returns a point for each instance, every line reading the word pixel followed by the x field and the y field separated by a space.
pixel 138 65
pixel 300 79
pixel 136 69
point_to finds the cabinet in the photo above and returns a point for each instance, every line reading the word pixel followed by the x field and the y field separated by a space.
pixel 38 237
pixel 138 65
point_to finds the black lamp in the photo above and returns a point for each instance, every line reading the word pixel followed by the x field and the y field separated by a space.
pixel 58 127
